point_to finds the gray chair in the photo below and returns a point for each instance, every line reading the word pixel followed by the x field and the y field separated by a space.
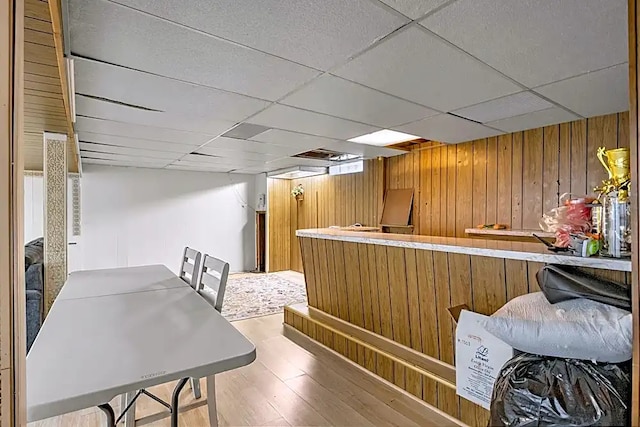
pixel 211 286
pixel 190 267
pixel 190 273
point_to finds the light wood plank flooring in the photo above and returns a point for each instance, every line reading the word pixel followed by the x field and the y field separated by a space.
pixel 286 386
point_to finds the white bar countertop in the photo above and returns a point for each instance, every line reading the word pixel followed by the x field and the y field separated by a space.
pixel 526 251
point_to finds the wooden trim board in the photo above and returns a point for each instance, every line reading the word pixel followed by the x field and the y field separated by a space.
pixel 634 137
pixel 442 372
pixel 304 341
pixel 12 292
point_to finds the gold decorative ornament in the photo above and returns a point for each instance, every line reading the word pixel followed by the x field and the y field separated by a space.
pixel 616 163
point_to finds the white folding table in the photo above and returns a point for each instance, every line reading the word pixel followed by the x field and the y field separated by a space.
pixel 115 331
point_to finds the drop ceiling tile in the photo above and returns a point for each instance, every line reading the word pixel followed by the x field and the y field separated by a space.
pixel 245 131
pixel 222 161
pixel 294 119
pixel 247 146
pixel 251 171
pixel 318 34
pixel 449 129
pixel 202 161
pixel 342 98
pixel 364 150
pixel 89 107
pixel 593 94
pixel 190 168
pixel 298 141
pixel 142 144
pixel 537 41
pixel 160 93
pixel 129 130
pixel 550 116
pixel 507 106
pixel 125 163
pixel 114 149
pixel 122 157
pixel 418 66
pixel 235 154
pixel 100 29
pixel 414 9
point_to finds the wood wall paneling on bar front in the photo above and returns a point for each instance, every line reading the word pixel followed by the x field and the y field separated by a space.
pixel 386 307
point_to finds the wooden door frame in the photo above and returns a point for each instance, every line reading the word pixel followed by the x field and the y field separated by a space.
pixel 635 204
pixel 12 290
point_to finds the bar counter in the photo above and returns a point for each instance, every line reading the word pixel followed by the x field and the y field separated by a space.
pixel 382 300
pixel 525 251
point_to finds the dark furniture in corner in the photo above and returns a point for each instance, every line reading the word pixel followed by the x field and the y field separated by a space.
pixel 34 286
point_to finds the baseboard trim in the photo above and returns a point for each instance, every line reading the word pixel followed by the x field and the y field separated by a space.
pixel 430 367
pixel 313 346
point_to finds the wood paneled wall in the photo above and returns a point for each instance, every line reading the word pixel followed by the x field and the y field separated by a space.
pixel 328 200
pixel 403 295
pixel 279 228
pixel 46 92
pixel 511 179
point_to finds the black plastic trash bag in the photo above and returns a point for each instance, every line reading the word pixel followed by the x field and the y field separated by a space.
pixel 546 391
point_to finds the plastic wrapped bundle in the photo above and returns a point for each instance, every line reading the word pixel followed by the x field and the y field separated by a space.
pixel 544 391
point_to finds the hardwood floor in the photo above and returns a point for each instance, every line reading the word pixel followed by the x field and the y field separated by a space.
pixel 286 386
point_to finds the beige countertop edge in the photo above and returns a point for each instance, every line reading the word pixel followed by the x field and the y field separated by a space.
pixel 525 251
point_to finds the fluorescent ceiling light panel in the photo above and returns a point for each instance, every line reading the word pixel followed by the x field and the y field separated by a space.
pixel 297 172
pixel 383 137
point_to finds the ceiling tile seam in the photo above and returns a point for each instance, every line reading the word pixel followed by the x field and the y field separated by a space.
pixel 431 12
pixel 378 91
pixel 113 64
pixel 135 148
pixel 518 116
pixel 428 31
pixel 133 162
pixel 322 73
pixel 330 115
pixel 581 75
pixel 125 155
pixel 330 70
pixel 284 130
pixel 120 103
pixel 452 112
pixel 149 126
pixel 195 30
pixel 390 9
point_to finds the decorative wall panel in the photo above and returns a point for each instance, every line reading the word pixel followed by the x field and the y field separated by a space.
pixel 55 217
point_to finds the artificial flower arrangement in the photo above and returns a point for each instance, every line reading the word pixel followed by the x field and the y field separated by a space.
pixel 298 192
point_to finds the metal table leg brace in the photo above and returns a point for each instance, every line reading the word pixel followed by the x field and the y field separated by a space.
pixel 111 416
pixel 174 401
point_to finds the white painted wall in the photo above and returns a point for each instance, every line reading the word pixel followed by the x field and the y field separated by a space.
pixel 33 207
pixel 134 216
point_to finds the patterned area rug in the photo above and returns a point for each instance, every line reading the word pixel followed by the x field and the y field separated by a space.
pixel 254 295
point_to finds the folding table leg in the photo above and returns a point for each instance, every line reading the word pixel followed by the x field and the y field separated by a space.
pixel 195 386
pixel 108 411
pixel 130 416
pixel 211 401
pixel 175 400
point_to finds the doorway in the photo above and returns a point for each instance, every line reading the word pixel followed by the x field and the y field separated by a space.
pixel 261 241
